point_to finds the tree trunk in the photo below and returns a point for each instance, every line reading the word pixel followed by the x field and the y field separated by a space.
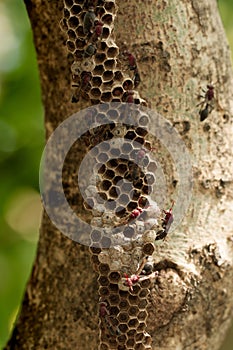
pixel 180 48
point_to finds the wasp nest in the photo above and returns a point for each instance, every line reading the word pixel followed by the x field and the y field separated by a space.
pixel 124 217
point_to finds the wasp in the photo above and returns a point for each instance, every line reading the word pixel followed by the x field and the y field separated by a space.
pixel 207 102
pixel 166 223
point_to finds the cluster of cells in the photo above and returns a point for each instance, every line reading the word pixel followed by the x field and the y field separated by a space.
pixel 125 222
pixel 96 72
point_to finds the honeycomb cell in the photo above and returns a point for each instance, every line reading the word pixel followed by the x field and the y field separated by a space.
pixel 71 34
pixel 127 85
pixel 131 333
pixel 114 276
pixel 129 231
pixel 66 15
pixel 133 310
pixel 68 3
pixel 75 10
pixel 114 310
pixel 80 44
pixel 109 65
pixel 73 22
pixel 148 248
pixel 103 46
pixel 106 32
pixel 123 199
pixel 141 327
pixel 123 317
pixel 142 315
pixel 103 281
pixel 96 81
pixel 113 287
pixel 106 97
pixel 95 236
pixel 122 339
pixel 103 291
pixel 130 343
pixel 103 346
pixel 143 302
pixel 95 250
pixel 105 242
pixel 139 337
pixel 123 304
pixel 104 269
pixel 133 299
pixel 98 70
pixel 114 299
pixel 100 58
pixel 112 52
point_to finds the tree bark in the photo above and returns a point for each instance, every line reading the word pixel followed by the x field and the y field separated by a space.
pixel 180 48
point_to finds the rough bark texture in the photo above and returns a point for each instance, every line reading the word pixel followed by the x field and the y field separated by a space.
pixel 181 47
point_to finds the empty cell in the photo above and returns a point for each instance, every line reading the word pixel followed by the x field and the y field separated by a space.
pixel 69 3
pixel 146 283
pixel 123 328
pixel 123 305
pixel 100 58
pixel 102 169
pixel 94 259
pixel 133 323
pixel 76 9
pixel 131 206
pixel 148 248
pixel 114 276
pixel 99 70
pixel 96 81
pixel 105 242
pixel 113 288
pixel 80 44
pixel 95 235
pixel 95 93
pixel 117 92
pixel 131 135
pixel 143 294
pixel 95 250
pixel 114 299
pixel 129 231
pixel 112 52
pixel 148 341
pixel 141 326
pixel 139 140
pixel 109 6
pixel 105 33
pixel 102 46
pixel 106 97
pixel 114 310
pixel 70 45
pixel 109 174
pixel 123 199
pixel 135 195
pixel 104 269
pixel 133 310
pixel 146 189
pixel 66 13
pixel 73 22
pixel 80 32
pixel 141 132
pixel 103 291
pixel 123 317
pixel 133 299
pixel 118 76
pixel 130 343
pixel 121 169
pixel 108 75
pixel 117 178
pixel 113 192
pixel 120 211
pixel 131 333
pixel 139 337
pixel 122 340
pixel 71 34
pixel 110 64
pixel 143 302
pixel 103 281
pixel 103 195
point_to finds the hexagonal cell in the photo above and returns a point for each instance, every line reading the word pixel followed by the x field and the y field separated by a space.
pixel 105 242
pixel 131 333
pixel 66 13
pixel 113 192
pixel 114 276
pixel 75 10
pixel 122 339
pixel 127 85
pixel 73 22
pixel 143 303
pixel 121 169
pixel 98 70
pixel 141 327
pixel 142 315
pixel 123 305
pixel 70 45
pixel 123 327
pixel 69 3
pixel 123 317
pixel 103 291
pixel 130 343
pixel 114 299
pixel 109 174
pixel 113 287
pixel 133 299
pixel 110 205
pixel 139 337
pixel 133 310
pixel 112 52
pixel 123 199
pixel 103 281
pixel 96 81
pixel 143 294
pixel 106 32
pixel 129 231
pixel 104 269
pixel 106 97
pixel 114 310
pixel 148 248
pixel 95 250
pixel 80 44
pixel 117 91
pixel 110 64
pixel 96 235
pixel 102 157
pixel 100 58
pixel 71 34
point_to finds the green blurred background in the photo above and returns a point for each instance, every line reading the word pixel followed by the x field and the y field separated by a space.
pixel 21 144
